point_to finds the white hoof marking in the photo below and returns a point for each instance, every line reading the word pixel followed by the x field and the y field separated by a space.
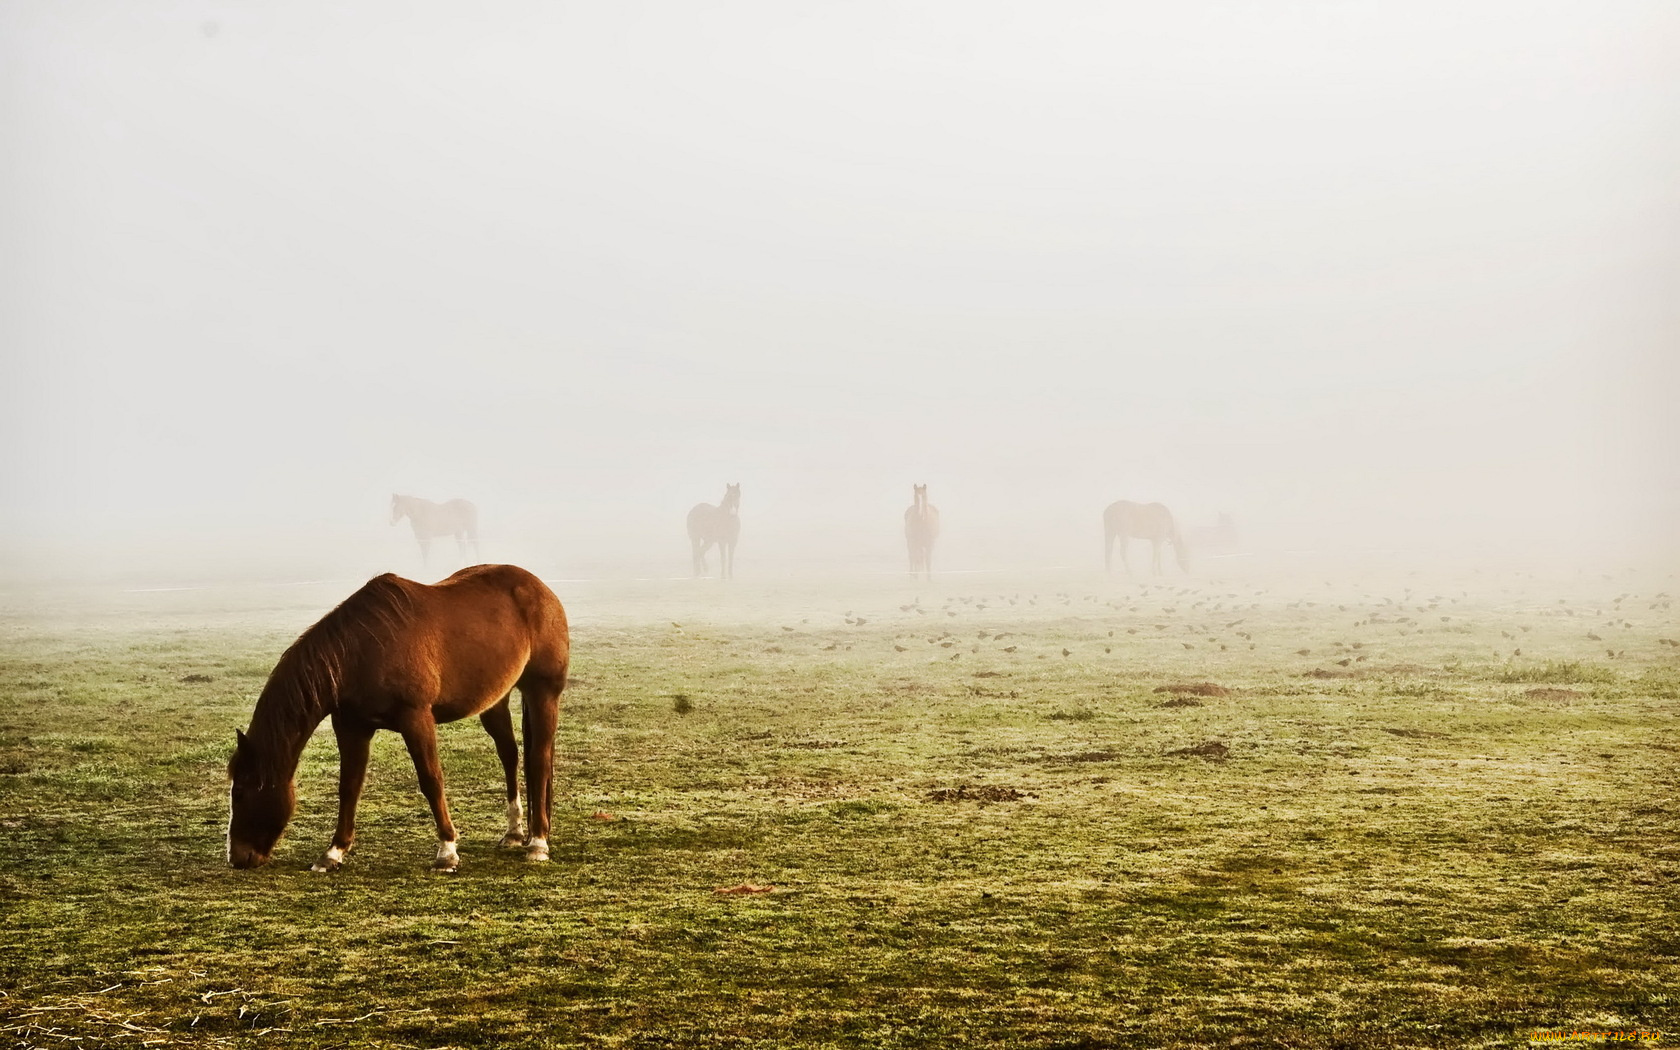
pixel 447 858
pixel 538 850
pixel 332 860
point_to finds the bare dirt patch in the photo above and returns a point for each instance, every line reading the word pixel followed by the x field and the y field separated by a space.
pixel 987 793
pixel 1194 689
pixel 1212 750
pixel 1556 695
pixel 1183 701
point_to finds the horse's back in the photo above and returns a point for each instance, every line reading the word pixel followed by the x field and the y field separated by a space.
pixel 1141 520
pixel 464 514
pixel 511 602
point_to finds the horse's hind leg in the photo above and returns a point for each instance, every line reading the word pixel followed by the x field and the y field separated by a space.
pixel 420 734
pixel 540 705
pixel 353 743
pixel 498 722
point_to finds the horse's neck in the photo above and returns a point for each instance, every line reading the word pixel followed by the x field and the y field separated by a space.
pixel 283 722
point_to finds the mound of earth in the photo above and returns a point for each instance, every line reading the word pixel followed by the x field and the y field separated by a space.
pixel 1194 688
pixel 1182 701
pixel 1212 749
pixel 990 793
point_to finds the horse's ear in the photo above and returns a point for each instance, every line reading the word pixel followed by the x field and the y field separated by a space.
pixel 239 738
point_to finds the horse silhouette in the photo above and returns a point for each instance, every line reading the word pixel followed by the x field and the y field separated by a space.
pixel 1221 538
pixel 921 528
pixel 406 656
pixel 1125 521
pixel 720 525
pixel 457 518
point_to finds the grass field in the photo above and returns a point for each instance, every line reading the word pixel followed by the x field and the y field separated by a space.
pixel 984 813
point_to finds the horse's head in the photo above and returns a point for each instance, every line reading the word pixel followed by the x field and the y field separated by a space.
pixel 1181 551
pixel 918 493
pixel 732 496
pixel 260 807
pixel 399 507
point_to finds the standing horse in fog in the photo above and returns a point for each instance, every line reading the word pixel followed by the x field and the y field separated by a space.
pixel 457 518
pixel 721 525
pixel 1220 538
pixel 921 528
pixel 405 656
pixel 1127 521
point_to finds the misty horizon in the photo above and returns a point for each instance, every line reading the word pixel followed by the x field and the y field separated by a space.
pixel 1364 279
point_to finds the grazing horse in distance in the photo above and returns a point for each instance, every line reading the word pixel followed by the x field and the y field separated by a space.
pixel 1126 521
pixel 720 525
pixel 406 656
pixel 457 518
pixel 921 528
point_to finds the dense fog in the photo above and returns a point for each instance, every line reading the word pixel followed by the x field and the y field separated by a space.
pixel 1393 281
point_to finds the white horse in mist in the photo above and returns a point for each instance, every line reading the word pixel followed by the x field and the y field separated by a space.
pixel 1125 521
pixel 457 518
pixel 921 528
pixel 720 524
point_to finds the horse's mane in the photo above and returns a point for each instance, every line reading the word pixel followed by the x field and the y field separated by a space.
pixel 303 687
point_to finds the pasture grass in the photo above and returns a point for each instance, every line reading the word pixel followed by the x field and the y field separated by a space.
pixel 1211 812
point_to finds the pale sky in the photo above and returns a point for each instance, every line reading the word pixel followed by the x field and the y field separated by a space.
pixel 1352 272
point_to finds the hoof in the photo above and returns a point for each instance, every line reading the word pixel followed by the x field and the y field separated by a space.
pixel 536 854
pixel 326 865
pixel 447 859
pixel 512 840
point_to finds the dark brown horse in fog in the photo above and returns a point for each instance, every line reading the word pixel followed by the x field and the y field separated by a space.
pixel 405 656
pixel 457 518
pixel 1127 521
pixel 921 528
pixel 720 525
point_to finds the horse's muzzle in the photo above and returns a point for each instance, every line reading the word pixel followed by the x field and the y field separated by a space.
pixel 246 857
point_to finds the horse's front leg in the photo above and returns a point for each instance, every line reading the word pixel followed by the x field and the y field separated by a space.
pixel 420 734
pixel 353 743
pixel 498 722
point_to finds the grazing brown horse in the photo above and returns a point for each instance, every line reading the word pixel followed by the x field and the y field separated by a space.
pixel 405 656
pixel 921 528
pixel 1126 521
pixel 720 525
pixel 457 518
